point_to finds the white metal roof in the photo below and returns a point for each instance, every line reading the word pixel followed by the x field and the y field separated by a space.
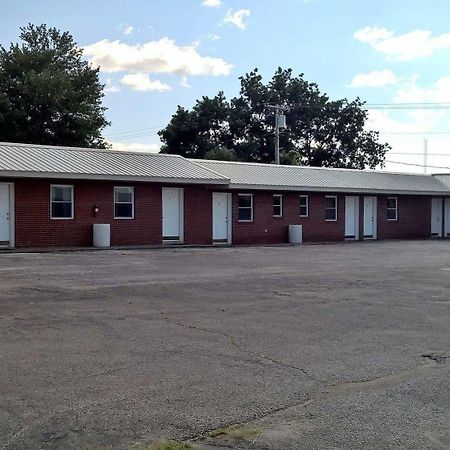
pixel 27 160
pixel 302 178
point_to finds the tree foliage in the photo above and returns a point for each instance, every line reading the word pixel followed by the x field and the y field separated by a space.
pixel 48 94
pixel 320 131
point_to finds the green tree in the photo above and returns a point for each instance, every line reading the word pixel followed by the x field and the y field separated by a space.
pixel 320 131
pixel 48 94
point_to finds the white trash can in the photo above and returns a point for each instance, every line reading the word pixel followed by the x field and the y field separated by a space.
pixel 102 235
pixel 295 234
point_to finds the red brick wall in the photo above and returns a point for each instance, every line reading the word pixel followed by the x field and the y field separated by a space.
pixel 197 215
pixel 266 229
pixel 414 218
pixel 34 228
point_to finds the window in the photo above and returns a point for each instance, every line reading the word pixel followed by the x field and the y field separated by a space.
pixel 392 208
pixel 61 201
pixel 277 205
pixel 330 208
pixel 245 207
pixel 304 206
pixel 123 203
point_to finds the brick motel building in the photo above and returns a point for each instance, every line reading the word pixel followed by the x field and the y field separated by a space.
pixel 52 197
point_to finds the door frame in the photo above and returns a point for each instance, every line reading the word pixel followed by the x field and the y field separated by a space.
pixel 375 221
pixel 180 239
pixel 12 228
pixel 447 217
pixel 441 232
pixel 229 217
pixel 356 218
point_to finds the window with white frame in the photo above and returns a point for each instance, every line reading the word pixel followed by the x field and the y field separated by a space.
pixel 304 206
pixel 277 205
pixel 392 208
pixel 61 201
pixel 330 208
pixel 123 202
pixel 245 207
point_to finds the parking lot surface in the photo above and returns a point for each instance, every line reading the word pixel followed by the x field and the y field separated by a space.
pixel 315 347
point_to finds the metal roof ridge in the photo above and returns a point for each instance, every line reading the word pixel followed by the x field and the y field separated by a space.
pixel 315 168
pixel 87 149
pixel 207 168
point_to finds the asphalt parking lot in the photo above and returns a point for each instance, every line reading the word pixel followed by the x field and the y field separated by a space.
pixel 316 347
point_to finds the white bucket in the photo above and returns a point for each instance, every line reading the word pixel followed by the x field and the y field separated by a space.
pixel 102 235
pixel 295 234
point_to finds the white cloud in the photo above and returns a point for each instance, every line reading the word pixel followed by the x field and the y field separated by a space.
pixel 213 37
pixel 212 3
pixel 128 30
pixel 161 56
pixel 411 92
pixel 135 147
pixel 142 82
pixel 377 78
pixel 236 18
pixel 184 82
pixel 403 47
pixel 406 136
pixel 110 88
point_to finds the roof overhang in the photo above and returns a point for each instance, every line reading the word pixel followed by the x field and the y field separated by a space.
pixel 80 176
pixel 335 189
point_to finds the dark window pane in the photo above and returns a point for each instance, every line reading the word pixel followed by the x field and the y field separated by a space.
pixel 391 203
pixel 123 196
pixel 330 202
pixel 61 210
pixel 61 194
pixel 124 210
pixel 330 214
pixel 244 201
pixel 277 210
pixel 303 201
pixel 276 200
pixel 244 214
pixel 303 211
pixel 391 214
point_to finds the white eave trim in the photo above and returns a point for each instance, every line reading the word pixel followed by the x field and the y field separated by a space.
pixel 80 176
pixel 331 189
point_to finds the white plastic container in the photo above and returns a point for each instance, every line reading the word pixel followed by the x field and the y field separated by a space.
pixel 102 235
pixel 295 234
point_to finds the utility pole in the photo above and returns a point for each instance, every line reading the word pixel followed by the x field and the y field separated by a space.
pixel 280 122
pixel 425 156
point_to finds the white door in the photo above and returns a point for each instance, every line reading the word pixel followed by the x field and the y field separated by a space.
pixel 351 217
pixel 370 217
pixel 447 217
pixel 221 206
pixel 4 215
pixel 172 210
pixel 436 217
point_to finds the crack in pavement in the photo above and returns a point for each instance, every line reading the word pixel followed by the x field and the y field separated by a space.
pixel 331 391
pixel 241 348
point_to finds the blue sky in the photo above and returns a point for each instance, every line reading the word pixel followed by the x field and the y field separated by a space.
pixel 156 54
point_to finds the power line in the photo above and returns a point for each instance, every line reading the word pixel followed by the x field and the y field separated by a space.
pixel 134 131
pixel 411 132
pixel 418 154
pixel 417 165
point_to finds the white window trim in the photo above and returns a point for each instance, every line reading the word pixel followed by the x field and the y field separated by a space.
pixel 396 209
pixel 246 207
pixel 335 207
pixel 71 186
pixel 132 202
pixel 280 196
pixel 307 206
